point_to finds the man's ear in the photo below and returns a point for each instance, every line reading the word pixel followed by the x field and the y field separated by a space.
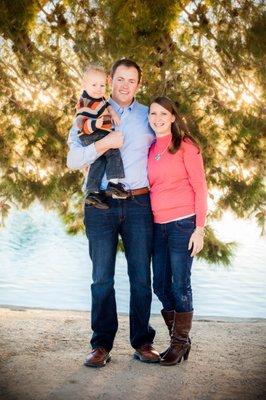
pixel 138 87
pixel 110 80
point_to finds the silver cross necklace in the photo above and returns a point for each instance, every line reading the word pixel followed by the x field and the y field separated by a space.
pixel 159 155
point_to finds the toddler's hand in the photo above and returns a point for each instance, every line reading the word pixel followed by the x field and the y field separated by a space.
pixel 114 116
pixel 80 120
pixel 85 169
pixel 115 119
pixel 99 122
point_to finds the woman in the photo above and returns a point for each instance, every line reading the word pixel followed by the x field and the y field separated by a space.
pixel 179 203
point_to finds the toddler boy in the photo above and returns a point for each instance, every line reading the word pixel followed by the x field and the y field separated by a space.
pixel 94 118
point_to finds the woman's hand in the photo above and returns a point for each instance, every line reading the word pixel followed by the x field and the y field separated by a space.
pixel 196 241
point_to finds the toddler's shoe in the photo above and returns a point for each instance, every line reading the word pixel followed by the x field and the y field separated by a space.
pixel 96 200
pixel 116 190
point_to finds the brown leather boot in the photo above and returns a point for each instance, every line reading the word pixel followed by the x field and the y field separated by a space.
pixel 180 343
pixel 168 317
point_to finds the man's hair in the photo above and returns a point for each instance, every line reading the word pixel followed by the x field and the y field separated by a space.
pixel 94 68
pixel 127 63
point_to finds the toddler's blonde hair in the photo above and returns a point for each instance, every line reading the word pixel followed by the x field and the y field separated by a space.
pixel 94 68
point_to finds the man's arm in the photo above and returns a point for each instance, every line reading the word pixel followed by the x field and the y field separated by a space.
pixel 79 156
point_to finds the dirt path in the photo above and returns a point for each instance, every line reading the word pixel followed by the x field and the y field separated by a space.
pixel 42 356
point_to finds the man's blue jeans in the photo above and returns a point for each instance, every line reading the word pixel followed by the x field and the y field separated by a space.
pixel 132 219
pixel 172 264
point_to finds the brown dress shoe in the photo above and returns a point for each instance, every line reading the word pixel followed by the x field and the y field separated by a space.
pixel 97 358
pixel 146 353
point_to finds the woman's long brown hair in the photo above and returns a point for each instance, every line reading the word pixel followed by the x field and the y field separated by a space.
pixel 179 128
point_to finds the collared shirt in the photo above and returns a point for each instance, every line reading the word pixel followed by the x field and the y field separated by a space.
pixel 138 138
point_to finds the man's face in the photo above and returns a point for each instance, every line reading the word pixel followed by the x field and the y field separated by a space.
pixel 124 85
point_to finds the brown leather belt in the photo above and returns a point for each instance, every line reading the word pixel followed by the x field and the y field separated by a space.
pixel 135 192
pixel 138 192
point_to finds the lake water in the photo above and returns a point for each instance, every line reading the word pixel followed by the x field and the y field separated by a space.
pixel 42 266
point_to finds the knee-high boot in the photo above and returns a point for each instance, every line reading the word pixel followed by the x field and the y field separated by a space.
pixel 168 317
pixel 180 343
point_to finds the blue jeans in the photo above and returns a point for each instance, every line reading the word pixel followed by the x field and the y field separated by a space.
pixel 110 162
pixel 132 219
pixel 172 264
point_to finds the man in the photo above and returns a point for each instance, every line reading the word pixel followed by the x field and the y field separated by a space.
pixel 131 218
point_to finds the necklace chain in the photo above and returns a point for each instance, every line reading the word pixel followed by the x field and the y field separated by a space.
pixel 159 155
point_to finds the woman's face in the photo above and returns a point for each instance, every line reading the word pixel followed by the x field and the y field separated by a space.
pixel 160 119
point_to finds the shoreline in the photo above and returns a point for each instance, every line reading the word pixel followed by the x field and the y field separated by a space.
pixel 222 318
pixel 42 354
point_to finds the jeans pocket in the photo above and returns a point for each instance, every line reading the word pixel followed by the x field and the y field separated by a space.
pixel 186 224
pixel 141 202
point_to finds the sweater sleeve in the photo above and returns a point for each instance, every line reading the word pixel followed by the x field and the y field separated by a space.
pixel 194 166
pixel 89 126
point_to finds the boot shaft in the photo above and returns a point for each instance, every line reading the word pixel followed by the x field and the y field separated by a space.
pixel 182 325
pixel 168 317
pixel 180 343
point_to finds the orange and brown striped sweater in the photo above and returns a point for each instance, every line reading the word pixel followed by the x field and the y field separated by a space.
pixel 88 111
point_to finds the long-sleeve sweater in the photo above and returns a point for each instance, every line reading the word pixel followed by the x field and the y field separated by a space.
pixel 177 182
pixel 88 111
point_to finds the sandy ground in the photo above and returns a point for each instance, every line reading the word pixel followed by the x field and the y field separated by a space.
pixel 42 355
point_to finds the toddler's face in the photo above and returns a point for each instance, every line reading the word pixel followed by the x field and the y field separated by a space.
pixel 94 82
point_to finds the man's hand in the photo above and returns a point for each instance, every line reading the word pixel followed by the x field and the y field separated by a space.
pixel 114 140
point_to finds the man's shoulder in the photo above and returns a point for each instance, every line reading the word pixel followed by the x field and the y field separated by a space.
pixel 141 107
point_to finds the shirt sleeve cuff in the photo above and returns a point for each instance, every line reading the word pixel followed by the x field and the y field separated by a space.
pixel 90 153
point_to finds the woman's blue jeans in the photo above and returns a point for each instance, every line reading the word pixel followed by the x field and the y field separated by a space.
pixel 132 220
pixel 172 263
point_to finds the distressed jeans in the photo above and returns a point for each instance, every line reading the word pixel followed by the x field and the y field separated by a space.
pixel 172 263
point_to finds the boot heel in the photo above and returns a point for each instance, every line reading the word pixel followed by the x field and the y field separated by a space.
pixel 186 354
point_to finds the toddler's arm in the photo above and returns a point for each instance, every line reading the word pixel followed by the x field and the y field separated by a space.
pixel 114 116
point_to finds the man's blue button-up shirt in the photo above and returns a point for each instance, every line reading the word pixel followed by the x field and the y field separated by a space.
pixel 138 138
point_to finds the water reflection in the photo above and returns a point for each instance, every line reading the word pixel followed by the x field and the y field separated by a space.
pixel 42 266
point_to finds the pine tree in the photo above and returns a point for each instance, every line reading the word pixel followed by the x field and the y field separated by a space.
pixel 208 56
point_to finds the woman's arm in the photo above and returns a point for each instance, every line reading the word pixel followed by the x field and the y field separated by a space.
pixel 195 169
pixel 194 165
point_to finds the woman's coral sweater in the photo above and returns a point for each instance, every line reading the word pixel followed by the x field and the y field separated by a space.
pixel 177 182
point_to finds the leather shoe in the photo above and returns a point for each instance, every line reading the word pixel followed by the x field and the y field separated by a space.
pixel 96 200
pixel 97 358
pixel 146 353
